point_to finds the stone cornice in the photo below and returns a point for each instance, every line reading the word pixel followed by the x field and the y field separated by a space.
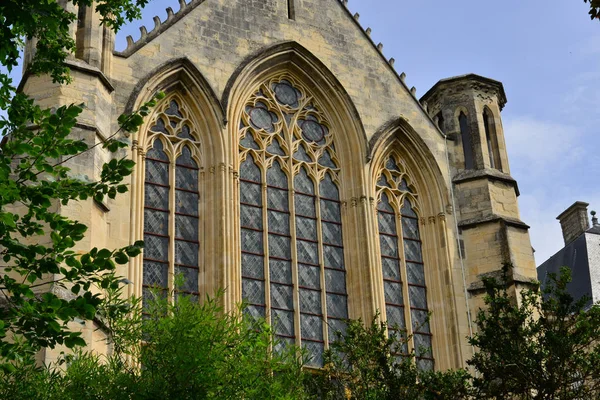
pixel 490 174
pixel 492 218
pixel 513 278
pixel 464 82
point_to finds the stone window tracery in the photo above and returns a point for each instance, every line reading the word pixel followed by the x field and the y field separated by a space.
pixel 293 271
pixel 402 263
pixel 171 203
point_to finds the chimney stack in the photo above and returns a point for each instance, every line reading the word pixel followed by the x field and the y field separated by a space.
pixel 574 221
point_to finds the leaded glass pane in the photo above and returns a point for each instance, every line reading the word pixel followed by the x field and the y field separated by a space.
pixel 306 228
pixel 326 160
pixel 251 217
pixel 254 311
pixel 335 281
pixel 329 189
pixel 332 233
pixel 311 327
pixel 395 317
pixel 186 253
pixel 407 209
pixel 310 301
pixel 283 322
pixel 156 152
pixel 335 326
pixel 391 165
pixel 308 252
pixel 314 353
pixel 275 148
pixel 279 222
pixel 337 305
pixel 185 133
pixel 280 271
pixel 282 344
pixel 279 246
pixel 186 227
pixel 418 297
pixel 156 274
pixel 416 273
pixel 157 172
pixel 186 202
pixel 383 181
pixel 250 193
pixel 248 141
pixel 412 250
pixel 309 276
pixel 253 291
pixel 286 94
pixel 384 204
pixel 302 183
pixel 312 130
pixel 282 297
pixel 391 268
pixel 302 155
pixel 410 228
pixel 422 345
pixel 186 178
pixel 261 118
pixel 156 197
pixel 173 109
pixel 249 170
pixel 420 321
pixel 159 127
pixel 277 199
pixel 189 279
pixel 393 293
pixel 387 223
pixel 334 257
pixel 330 211
pixel 156 247
pixel 305 205
pixel 276 176
pixel 400 347
pixel 403 186
pixel 156 222
pixel 253 266
pixel 424 364
pixel 252 241
pixel 185 159
pixel 389 245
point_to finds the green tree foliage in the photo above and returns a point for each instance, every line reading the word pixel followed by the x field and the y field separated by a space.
pixel 364 365
pixel 594 8
pixel 543 347
pixel 36 242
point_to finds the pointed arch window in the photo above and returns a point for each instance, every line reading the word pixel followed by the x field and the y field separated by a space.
pixel 491 139
pixel 292 254
pixel 402 263
pixel 467 142
pixel 171 205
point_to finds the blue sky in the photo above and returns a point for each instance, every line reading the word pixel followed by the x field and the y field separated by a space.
pixel 547 54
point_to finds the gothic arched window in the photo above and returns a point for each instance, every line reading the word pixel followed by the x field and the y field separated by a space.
pixel 465 134
pixel 402 264
pixel 492 139
pixel 293 271
pixel 171 204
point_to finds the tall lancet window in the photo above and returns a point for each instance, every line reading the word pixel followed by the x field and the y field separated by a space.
pixel 293 270
pixel 402 264
pixel 492 139
pixel 171 205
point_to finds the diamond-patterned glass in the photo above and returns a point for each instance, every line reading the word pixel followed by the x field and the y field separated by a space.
pixel 416 273
pixel 280 271
pixel 404 186
pixel 156 274
pixel 249 170
pixel 337 306
pixel 335 281
pixel 311 327
pixel 422 345
pixel 173 109
pixel 306 228
pixel 277 199
pixel 305 205
pixel 253 291
pixel 330 211
pixel 410 228
pixel 252 241
pixel 391 165
pixel 332 233
pixel 334 257
pixel 186 253
pixel 282 344
pixel 309 276
pixel 159 127
pixel 248 141
pixel 393 292
pixel 156 247
pixel 310 301
pixel 389 245
pixel 279 246
pixel 384 204
pixel 424 364
pixel 275 148
pixel 282 297
pixel 420 322
pixel 412 250
pixel 395 317
pixel 302 183
pixel 418 297
pixel 250 193
pixel 407 209
pixel 189 277
pixel 314 352
pixel 186 202
pixel 255 312
pixel 328 188
pixel 336 325
pixel 279 222
pixel 157 172
pixel 390 268
pixel 326 160
pixel 186 178
pixel 186 227
pixel 156 197
pixel 283 322
pixel 383 182
pixel 156 152
pixel 308 252
pixel 156 222
pixel 251 217
pixel 387 223
pixel 286 94
pixel 185 159
pixel 302 155
pixel 276 176
pixel 253 266
pixel 185 133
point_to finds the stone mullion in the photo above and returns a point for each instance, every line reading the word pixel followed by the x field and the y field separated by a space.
pixel 172 206
pixel 404 277
pixel 265 221
pixel 293 244
pixel 322 264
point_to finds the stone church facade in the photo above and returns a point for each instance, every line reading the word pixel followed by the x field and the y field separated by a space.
pixel 291 165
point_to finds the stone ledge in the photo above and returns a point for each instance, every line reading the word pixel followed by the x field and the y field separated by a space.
pixel 491 174
pixel 473 222
pixel 512 278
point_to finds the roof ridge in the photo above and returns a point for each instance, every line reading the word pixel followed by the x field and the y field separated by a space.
pixel 159 26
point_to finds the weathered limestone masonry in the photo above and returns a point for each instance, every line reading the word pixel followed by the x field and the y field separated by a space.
pixel 211 57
